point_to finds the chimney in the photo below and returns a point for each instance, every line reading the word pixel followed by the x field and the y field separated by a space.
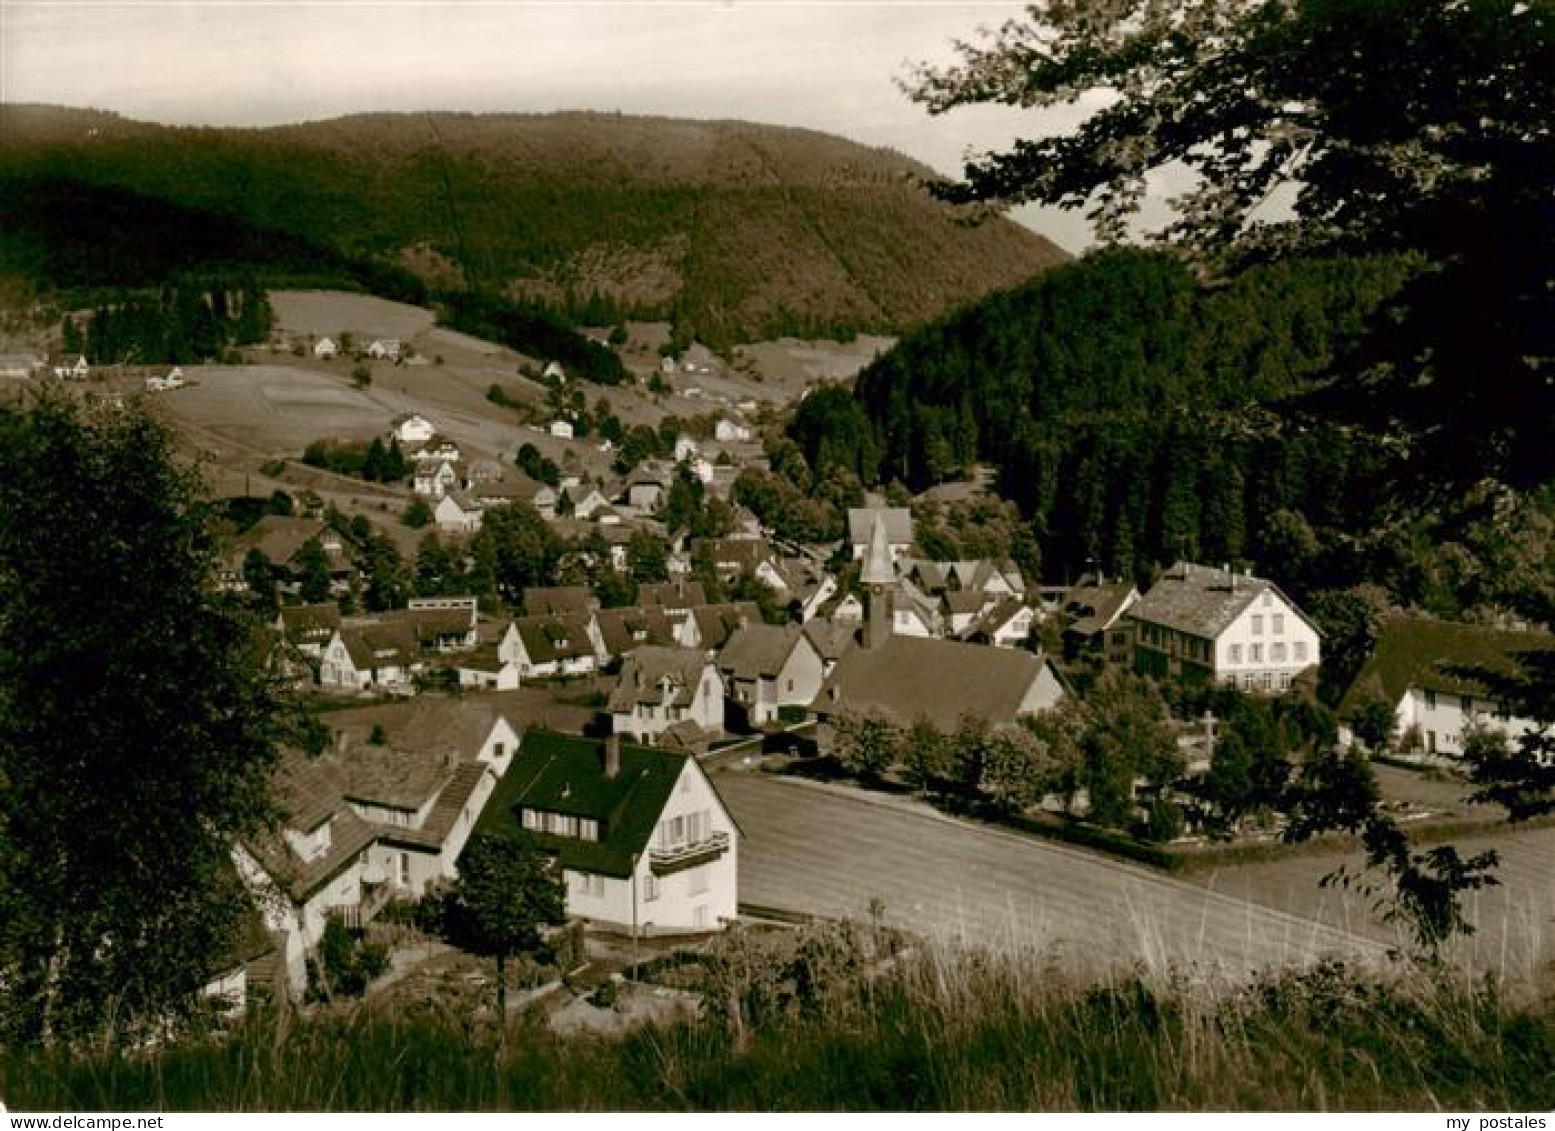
pixel 613 756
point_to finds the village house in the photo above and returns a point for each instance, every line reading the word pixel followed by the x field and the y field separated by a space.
pixel 325 348
pixel 412 430
pixel 484 667
pixel 1200 623
pixel 542 647
pixel 67 369
pixel 438 448
pixel 457 513
pixel 709 627
pixel 1437 676
pixel 1007 625
pixel 768 667
pixel 435 478
pixel 173 379
pixel 727 430
pixel 644 842
pixel 661 688
pixel 385 349
pixel 623 630
pixel 281 539
pixel 562 429
pixel 382 814
pixel 516 487
pixel 308 628
pixel 1096 623
pixel 370 655
pixel 444 624
pixel 898 529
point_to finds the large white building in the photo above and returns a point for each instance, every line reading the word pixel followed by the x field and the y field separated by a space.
pixel 642 837
pixel 1198 622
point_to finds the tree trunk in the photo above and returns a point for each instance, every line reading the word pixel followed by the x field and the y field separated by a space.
pixel 502 990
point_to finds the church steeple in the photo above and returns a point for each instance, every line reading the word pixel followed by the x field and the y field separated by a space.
pixel 879 575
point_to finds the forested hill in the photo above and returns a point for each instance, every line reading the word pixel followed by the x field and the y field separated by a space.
pixel 739 231
pixel 1127 407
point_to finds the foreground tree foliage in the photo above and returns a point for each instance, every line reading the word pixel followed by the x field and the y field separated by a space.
pixel 506 892
pixel 136 729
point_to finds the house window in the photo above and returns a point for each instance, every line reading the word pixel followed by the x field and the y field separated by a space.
pixel 1430 700
pixel 404 869
pixel 1236 653
pixel 1255 652
pixel 650 888
pixel 1277 652
pixel 588 828
pixel 1300 649
pixel 531 820
pixel 1257 625
pixel 498 748
pixel 1268 598
pixel 1279 623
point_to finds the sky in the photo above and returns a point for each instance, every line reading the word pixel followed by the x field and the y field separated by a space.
pixel 825 64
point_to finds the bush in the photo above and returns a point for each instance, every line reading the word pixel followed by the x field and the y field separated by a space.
pixel 417 515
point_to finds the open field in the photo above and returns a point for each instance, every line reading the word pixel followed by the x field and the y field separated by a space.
pixel 1514 921
pixel 329 313
pixel 826 851
pixel 790 365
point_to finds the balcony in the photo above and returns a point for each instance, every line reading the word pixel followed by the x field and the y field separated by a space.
pixel 664 861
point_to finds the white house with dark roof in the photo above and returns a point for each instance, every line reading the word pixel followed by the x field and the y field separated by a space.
pixel 545 646
pixel 644 842
pixel 766 667
pixel 1437 676
pixel 413 431
pixel 457 513
pixel 1202 623
pixel 662 688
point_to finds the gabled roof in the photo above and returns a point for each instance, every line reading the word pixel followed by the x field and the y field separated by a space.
pixel 1440 656
pixel 831 638
pixel 996 618
pixel 1203 601
pixel 277 536
pixel 561 774
pixel 759 651
pixel 962 601
pixel 379 643
pixel 1093 608
pixel 432 624
pixel 672 594
pixel 649 671
pixel 305 622
pixel 625 629
pixel 716 623
pixel 432 723
pixel 898 524
pixel 906 677
pixel 559 600
pixel 551 638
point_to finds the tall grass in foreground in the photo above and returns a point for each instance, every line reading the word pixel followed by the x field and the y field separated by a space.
pixel 931 1030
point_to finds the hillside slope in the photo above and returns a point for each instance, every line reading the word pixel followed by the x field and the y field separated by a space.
pixel 738 231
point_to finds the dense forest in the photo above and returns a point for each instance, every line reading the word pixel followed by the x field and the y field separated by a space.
pixel 188 321
pixel 735 232
pixel 1137 416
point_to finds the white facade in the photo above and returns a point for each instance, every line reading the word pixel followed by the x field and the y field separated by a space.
pixel 1265 647
pixel 325 348
pixel 661 896
pixel 1438 719
pixel 561 429
pixel 414 429
pixel 453 518
pixel 648 720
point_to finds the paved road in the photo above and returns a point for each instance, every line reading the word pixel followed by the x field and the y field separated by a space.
pixel 828 852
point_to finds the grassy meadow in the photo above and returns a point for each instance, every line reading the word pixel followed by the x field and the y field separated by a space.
pixel 834 1028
